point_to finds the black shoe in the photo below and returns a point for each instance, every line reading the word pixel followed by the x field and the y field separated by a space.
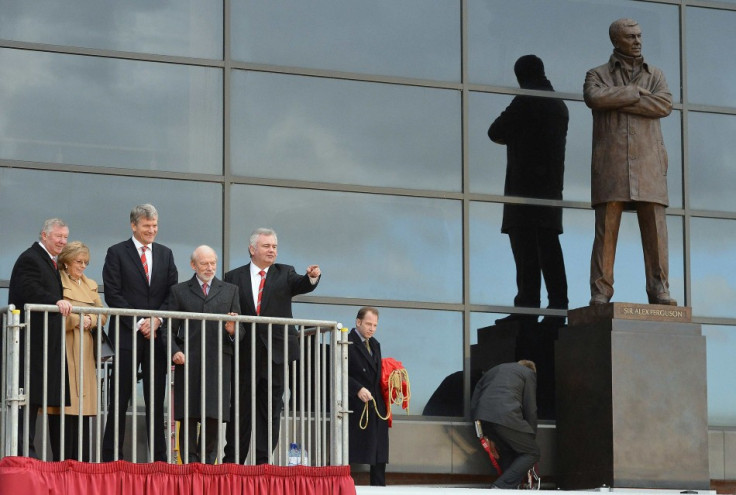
pixel 553 321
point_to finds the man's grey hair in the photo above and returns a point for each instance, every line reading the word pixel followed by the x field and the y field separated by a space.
pixel 259 232
pixel 617 26
pixel 147 211
pixel 49 225
pixel 201 249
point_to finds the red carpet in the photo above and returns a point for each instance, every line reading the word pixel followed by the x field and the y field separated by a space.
pixel 25 476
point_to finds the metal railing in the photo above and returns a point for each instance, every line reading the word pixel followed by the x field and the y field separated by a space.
pixel 315 405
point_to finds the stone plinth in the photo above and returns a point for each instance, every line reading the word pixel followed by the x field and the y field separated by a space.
pixel 631 399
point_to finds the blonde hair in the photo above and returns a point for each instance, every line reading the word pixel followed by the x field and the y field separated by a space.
pixel 71 251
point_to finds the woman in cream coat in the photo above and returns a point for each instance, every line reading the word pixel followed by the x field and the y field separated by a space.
pixel 80 291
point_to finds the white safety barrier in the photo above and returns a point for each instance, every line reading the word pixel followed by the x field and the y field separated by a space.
pixel 314 414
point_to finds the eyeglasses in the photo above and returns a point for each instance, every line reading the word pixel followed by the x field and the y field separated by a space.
pixel 81 262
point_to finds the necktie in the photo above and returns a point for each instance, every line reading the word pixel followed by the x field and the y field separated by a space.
pixel 54 262
pixel 205 288
pixel 145 262
pixel 262 273
pixel 368 346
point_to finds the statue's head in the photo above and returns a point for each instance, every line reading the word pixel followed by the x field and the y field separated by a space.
pixel 625 36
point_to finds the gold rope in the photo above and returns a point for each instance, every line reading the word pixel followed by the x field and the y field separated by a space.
pixel 395 378
pixel 364 416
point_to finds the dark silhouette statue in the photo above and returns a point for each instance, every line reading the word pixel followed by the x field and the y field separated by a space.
pixel 534 130
pixel 629 164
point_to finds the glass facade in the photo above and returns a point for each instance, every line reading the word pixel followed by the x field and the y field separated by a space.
pixel 359 132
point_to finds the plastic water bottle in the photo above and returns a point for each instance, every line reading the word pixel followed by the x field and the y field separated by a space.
pixel 295 454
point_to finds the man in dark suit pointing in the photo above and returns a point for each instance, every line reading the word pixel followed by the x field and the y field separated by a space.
pixel 138 273
pixel 266 289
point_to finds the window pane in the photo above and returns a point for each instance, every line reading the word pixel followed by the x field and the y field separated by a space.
pixel 710 67
pixel 305 128
pixel 191 29
pixel 103 112
pixel 493 272
pixel 720 342
pixel 399 331
pixel 712 150
pixel 713 266
pixel 412 38
pixel 488 159
pixel 97 210
pixel 571 37
pixel 368 246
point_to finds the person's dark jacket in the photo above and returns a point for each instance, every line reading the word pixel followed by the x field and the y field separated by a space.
pixel 35 280
pixel 507 395
pixel 369 445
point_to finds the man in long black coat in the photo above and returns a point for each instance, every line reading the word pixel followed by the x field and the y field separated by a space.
pixel 203 293
pixel 505 402
pixel 35 279
pixel 368 445
pixel 534 130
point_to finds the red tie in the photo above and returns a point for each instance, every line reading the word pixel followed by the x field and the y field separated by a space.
pixel 54 262
pixel 262 273
pixel 144 261
pixel 204 288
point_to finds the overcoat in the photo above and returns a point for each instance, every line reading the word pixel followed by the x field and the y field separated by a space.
pixel 369 445
pixel 629 161
pixel 35 280
pixel 222 298
pixel 79 294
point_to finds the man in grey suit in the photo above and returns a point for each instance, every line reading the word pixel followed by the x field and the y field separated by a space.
pixel 505 403
pixel 203 293
pixel 266 289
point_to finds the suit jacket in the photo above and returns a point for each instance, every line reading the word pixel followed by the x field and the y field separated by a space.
pixel 35 280
pixel 282 284
pixel 507 395
pixel 369 445
pixel 222 298
pixel 126 285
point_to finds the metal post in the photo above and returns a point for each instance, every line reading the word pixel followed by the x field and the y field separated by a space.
pixel 13 395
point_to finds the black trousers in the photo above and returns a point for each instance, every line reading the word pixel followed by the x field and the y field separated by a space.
pixel 518 453
pixel 188 436
pixel 378 474
pixel 154 412
pixel 71 437
pixel 537 253
pixel 262 412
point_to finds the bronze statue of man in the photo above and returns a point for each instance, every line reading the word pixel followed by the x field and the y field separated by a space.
pixel 629 165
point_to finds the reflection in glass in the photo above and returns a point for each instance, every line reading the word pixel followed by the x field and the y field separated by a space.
pixel 402 332
pixel 97 210
pixel 492 274
pixel 292 127
pixel 711 69
pixel 488 160
pixel 411 38
pixel 712 155
pixel 104 112
pixel 501 31
pixel 720 342
pixel 368 246
pixel 190 29
pixel 4 295
pixel 713 266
